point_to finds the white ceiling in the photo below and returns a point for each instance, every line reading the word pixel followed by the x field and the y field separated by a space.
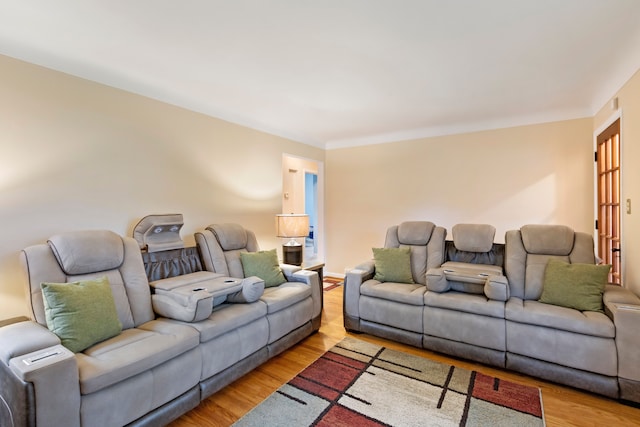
pixel 335 73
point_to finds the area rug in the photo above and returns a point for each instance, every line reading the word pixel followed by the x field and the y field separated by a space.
pixel 329 283
pixel 361 384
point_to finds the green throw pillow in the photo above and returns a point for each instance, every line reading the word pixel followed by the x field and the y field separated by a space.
pixel 578 286
pixel 263 264
pixel 81 313
pixel 393 265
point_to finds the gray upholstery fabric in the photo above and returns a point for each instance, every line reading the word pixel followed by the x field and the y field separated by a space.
pixel 287 320
pixel 552 316
pixel 391 313
pixel 465 351
pixel 426 242
pixel 391 333
pixel 227 349
pixel 595 383
pixel 230 236
pixel 401 292
pixel 134 351
pixel 579 351
pixel 465 327
pixel 525 269
pixel 415 233
pixel 463 302
pixel 473 237
pixel 547 239
pixel 280 297
pixel 80 252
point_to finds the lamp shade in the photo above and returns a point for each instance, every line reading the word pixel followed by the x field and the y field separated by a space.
pixel 292 225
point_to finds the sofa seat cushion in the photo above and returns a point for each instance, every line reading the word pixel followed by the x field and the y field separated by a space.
pixel 395 314
pixel 400 292
pixel 567 319
pixel 578 351
pixel 468 303
pixel 228 317
pixel 132 352
pixel 280 297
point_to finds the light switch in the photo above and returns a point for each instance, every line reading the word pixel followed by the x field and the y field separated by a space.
pixel 628 206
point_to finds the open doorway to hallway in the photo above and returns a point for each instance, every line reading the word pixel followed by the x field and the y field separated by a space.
pixel 302 193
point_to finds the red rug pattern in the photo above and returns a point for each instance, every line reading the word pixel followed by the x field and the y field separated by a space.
pixel 362 384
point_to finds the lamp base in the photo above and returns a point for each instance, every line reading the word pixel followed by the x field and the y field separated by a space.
pixel 292 254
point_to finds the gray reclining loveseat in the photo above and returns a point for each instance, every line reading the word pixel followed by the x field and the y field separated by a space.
pixel 141 369
pixel 487 305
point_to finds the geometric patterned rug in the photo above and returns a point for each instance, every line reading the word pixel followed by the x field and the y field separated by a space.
pixel 361 384
pixel 329 283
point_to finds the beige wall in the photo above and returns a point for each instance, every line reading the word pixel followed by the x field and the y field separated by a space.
pixel 79 155
pixel 629 105
pixel 506 177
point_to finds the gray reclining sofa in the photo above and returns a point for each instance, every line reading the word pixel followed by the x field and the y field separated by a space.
pixel 145 369
pixel 479 300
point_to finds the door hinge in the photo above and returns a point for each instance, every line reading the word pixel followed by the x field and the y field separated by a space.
pixel 595 156
pixel 596 224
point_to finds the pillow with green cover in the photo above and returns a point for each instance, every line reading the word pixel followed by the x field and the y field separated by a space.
pixel 392 265
pixel 577 286
pixel 263 264
pixel 81 313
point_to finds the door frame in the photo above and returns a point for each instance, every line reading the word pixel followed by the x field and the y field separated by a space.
pixel 319 233
pixel 617 115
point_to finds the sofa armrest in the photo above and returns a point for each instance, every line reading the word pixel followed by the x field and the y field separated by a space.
pixel 34 355
pixel 289 270
pixel 623 307
pixel 354 278
pixel 437 280
pixel 21 338
pixel 312 279
pixel 252 290
pixel 193 307
pixel 497 288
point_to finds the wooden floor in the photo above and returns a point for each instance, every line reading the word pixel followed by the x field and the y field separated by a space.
pixel 563 406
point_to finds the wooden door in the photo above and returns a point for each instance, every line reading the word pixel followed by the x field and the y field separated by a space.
pixel 608 224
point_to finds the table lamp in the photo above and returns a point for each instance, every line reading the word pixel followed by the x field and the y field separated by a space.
pixel 292 226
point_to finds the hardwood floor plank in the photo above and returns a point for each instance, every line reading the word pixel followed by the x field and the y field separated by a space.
pixel 563 406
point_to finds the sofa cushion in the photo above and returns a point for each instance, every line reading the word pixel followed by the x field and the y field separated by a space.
pixel 87 251
pixel 134 351
pixel 229 317
pixel 562 318
pixel 473 237
pixel 230 236
pixel 465 302
pixel 412 294
pixel 578 286
pixel 415 232
pixel 81 313
pixel 285 295
pixel 393 265
pixel 263 264
pixel 547 239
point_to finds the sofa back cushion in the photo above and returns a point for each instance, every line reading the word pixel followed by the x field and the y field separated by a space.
pixel 220 246
pixel 547 239
pixel 473 237
pixel 528 250
pixel 426 242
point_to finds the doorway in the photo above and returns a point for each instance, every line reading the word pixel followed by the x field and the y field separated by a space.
pixel 608 223
pixel 302 190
